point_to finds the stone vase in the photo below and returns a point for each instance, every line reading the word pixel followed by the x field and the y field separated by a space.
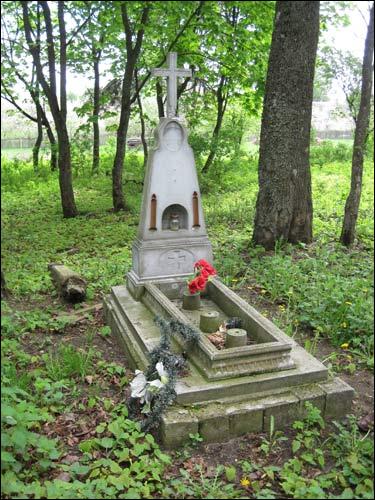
pixel 236 337
pixel 191 301
pixel 209 321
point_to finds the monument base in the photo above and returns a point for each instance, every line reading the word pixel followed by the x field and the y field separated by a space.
pixel 226 392
pixel 169 258
pixel 228 418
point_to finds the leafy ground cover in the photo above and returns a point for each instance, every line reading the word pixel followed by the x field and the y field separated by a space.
pixel 65 427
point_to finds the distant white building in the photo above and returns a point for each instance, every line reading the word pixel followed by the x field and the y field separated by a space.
pixel 330 119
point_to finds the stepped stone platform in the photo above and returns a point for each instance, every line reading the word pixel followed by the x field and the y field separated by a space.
pixel 227 392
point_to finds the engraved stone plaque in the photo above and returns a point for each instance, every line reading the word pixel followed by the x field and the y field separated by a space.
pixel 177 261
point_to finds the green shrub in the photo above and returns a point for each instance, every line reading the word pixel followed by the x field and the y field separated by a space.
pixel 18 175
pixel 329 152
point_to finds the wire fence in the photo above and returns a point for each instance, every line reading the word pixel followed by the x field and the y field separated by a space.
pixel 28 142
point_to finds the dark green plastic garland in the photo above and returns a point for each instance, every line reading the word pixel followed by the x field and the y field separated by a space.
pixel 174 365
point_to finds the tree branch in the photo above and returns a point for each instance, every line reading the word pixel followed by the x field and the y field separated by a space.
pixel 170 47
pixel 50 45
pixel 35 53
pixel 12 101
pixel 127 27
pixel 75 33
pixel 141 30
pixel 62 29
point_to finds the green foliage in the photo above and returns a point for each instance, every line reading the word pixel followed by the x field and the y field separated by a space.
pixel 133 463
pixel 322 293
pixel 201 486
pixel 346 69
pixel 21 419
pixel 18 174
pixel 271 444
pixel 329 152
pixel 195 439
pixel 321 288
pixel 351 453
pixel 354 457
pixel 69 362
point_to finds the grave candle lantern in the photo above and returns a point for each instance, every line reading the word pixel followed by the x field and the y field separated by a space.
pixel 174 223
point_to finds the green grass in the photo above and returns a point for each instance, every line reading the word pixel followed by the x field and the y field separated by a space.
pixel 10 153
pixel 321 289
pixel 324 286
pixel 69 362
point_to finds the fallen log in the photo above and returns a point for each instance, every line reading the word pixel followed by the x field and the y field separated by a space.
pixel 70 285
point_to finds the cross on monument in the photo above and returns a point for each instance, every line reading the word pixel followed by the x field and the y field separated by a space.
pixel 177 258
pixel 172 73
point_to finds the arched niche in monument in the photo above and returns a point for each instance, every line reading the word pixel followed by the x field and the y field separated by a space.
pixel 175 217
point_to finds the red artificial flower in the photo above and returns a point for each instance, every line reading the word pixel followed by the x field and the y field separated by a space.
pixel 193 286
pixel 203 271
pixel 198 284
pixel 204 265
pixel 201 281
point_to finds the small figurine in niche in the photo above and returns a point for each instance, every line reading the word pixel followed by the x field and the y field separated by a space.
pixel 174 222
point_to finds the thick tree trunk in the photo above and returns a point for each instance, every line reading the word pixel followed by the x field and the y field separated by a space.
pixel 49 87
pixel 360 136
pixel 221 106
pixel 64 160
pixel 284 203
pixel 95 115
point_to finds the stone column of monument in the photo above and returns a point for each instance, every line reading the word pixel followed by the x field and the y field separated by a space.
pixel 172 232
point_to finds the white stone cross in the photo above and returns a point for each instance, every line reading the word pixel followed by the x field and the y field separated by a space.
pixel 172 73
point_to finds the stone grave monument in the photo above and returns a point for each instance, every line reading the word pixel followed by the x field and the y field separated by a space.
pixel 226 392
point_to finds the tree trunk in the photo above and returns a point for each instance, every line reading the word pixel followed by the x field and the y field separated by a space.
pixel 132 53
pixel 65 173
pixel 53 146
pixel 38 141
pixel 284 203
pixel 4 290
pixel 221 106
pixel 143 127
pixel 64 161
pixel 360 136
pixel 159 99
pixel 95 116
pixel 122 132
pixel 59 113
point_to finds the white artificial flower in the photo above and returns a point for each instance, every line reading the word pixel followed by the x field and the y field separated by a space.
pixel 162 372
pixel 138 385
pixel 144 390
pixel 155 385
